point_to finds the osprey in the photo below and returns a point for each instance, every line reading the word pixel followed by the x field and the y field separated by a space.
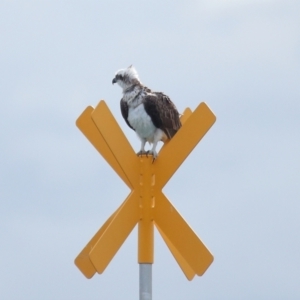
pixel 152 115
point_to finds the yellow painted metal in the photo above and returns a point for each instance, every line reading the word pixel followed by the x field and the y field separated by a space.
pixel 116 141
pixel 185 267
pixel 116 233
pixel 186 114
pixel 89 129
pixel 181 236
pixel 146 205
pixel 179 147
pixel 83 261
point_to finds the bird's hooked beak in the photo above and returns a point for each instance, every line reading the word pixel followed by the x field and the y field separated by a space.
pixel 114 80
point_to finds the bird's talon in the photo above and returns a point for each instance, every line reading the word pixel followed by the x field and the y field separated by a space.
pixel 140 153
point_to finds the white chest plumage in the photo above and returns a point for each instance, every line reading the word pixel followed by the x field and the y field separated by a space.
pixel 141 122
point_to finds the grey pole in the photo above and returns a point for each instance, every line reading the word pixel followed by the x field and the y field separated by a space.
pixel 145 281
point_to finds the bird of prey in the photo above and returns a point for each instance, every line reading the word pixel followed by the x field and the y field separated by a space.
pixel 152 115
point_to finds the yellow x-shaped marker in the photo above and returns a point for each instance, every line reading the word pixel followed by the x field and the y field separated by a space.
pixel 146 204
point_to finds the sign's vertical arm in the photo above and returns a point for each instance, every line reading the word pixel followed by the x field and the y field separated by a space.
pixel 146 226
pixel 146 205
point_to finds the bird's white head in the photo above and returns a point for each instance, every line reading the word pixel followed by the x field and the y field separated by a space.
pixel 125 78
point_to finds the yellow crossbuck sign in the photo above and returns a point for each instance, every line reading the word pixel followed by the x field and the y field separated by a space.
pixel 146 205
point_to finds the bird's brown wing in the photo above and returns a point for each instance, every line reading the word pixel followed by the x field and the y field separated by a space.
pixel 163 113
pixel 124 111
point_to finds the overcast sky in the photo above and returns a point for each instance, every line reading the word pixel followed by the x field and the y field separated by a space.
pixel 239 189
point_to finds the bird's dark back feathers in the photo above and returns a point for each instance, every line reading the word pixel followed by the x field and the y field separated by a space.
pixel 163 113
pixel 124 111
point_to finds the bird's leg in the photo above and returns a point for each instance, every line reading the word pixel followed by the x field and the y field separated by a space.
pixel 142 151
pixel 153 151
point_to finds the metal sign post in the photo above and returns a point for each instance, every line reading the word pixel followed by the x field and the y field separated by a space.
pixel 145 279
pixel 146 205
